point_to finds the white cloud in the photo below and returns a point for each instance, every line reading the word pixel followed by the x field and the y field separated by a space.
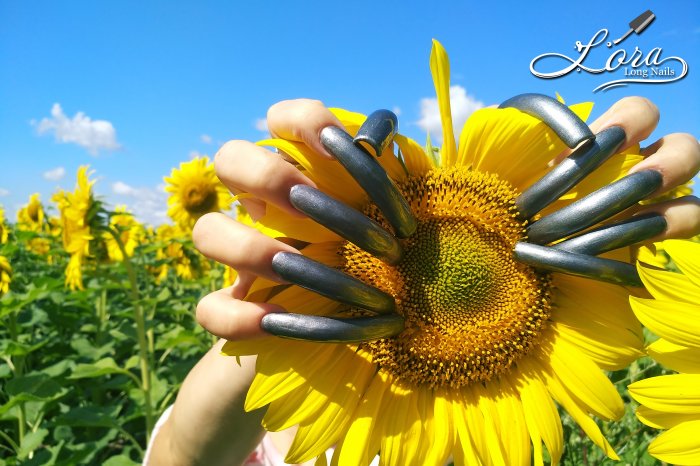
pixel 206 139
pixel 462 105
pixel 396 110
pixel 93 135
pixel 149 205
pixel 195 153
pixel 4 192
pixel 261 124
pixel 55 174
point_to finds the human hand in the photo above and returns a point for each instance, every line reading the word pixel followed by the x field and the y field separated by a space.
pixel 269 178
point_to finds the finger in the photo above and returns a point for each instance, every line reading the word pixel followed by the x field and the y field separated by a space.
pixel 682 217
pixel 244 166
pixel 636 115
pixel 676 157
pixel 241 286
pixel 227 317
pixel 301 120
pixel 229 242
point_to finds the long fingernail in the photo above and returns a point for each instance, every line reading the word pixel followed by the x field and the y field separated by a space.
pixel 565 123
pixel 617 235
pixel 581 265
pixel 330 282
pixel 377 132
pixel 332 330
pixel 347 222
pixel 569 172
pixel 372 178
pixel 597 206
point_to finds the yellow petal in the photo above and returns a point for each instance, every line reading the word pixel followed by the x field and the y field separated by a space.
pixel 402 428
pixel 437 440
pixel 415 159
pixel 509 142
pixel 662 420
pixel 680 445
pixel 576 411
pixel 585 380
pixel 679 358
pixel 603 303
pixel 512 424
pixel 355 447
pixel 541 414
pixel 304 229
pixel 468 435
pixel 440 69
pixel 283 369
pixel 609 348
pixel 666 285
pixel 319 432
pixel 686 255
pixel 677 393
pixel 491 422
pixel 329 175
pixel 676 323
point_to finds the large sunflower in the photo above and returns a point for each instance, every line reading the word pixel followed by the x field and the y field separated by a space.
pixel 489 343
pixel 194 191
pixel 672 401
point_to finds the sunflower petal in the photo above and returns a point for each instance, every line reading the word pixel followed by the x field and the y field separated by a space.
pixel 679 358
pixel 506 141
pixel 541 416
pixel 572 406
pixel 355 448
pixel 666 285
pixel 440 69
pixel 679 445
pixel 661 419
pixel 417 163
pixel 686 255
pixel 585 380
pixel 677 393
pixel 677 324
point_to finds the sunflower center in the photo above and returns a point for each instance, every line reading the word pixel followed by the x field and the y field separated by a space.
pixel 199 199
pixel 471 311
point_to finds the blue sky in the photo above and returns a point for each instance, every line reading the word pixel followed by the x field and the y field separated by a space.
pixel 135 88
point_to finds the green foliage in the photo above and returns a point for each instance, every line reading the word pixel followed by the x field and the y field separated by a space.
pixel 71 384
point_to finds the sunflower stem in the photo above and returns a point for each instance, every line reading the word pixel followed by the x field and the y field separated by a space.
pixel 140 333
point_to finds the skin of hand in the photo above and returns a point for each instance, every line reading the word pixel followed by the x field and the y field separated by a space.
pixel 213 392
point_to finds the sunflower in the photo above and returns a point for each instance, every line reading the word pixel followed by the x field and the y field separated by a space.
pixel 78 218
pixel 3 227
pixel 5 275
pixel 672 401
pixel 489 343
pixel 32 217
pixel 130 231
pixel 194 191
pixel 178 254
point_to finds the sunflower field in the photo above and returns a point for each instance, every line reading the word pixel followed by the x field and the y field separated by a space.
pixel 98 328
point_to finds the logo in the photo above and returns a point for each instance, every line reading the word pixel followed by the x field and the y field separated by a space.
pixel 637 66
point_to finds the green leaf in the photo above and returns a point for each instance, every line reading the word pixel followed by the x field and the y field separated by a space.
pixel 121 460
pixel 90 416
pixel 31 442
pixel 102 367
